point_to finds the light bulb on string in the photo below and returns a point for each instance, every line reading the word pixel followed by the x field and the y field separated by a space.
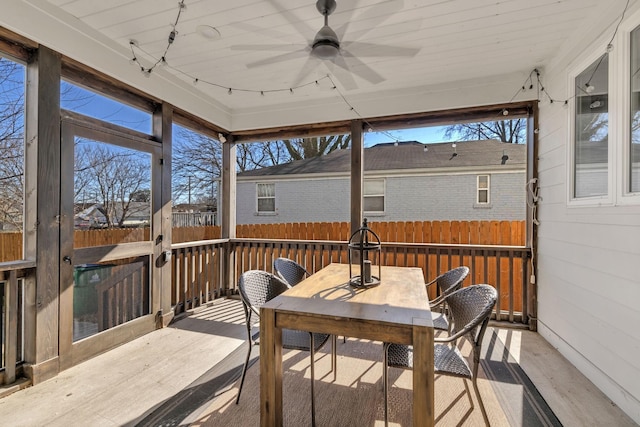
pixel 589 88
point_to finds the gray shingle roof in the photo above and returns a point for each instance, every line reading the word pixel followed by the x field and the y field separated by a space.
pixel 406 155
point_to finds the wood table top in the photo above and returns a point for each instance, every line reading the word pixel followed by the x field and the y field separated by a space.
pixel 400 297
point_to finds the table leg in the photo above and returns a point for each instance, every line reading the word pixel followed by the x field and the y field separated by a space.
pixel 270 370
pixel 423 396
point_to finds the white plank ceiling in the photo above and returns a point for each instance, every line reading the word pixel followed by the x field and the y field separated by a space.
pixel 388 45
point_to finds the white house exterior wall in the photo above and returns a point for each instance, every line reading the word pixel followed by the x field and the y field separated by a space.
pixel 588 260
pixel 319 200
pixel 407 198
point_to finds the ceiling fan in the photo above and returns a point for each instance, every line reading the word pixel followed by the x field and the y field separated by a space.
pixel 327 47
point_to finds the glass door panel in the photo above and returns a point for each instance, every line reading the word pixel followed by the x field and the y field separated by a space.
pixel 112 206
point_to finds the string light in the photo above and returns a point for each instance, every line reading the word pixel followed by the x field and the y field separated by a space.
pixel 163 62
pixel 182 7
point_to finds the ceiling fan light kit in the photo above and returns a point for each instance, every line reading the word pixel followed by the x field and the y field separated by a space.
pixel 326 44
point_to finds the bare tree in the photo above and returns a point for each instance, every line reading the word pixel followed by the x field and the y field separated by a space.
pixel 114 178
pixel 510 131
pixel 197 166
pixel 305 148
pixel 11 144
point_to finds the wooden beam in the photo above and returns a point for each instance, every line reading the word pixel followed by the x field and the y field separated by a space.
pixel 43 131
pixel 162 218
pixel 400 121
pixel 357 174
pixel 16 46
pixel 228 220
pixel 183 118
pixel 298 131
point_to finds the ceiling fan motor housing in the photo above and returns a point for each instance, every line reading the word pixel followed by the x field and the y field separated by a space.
pixel 326 7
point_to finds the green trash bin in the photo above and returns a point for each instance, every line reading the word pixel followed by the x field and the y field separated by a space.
pixel 85 297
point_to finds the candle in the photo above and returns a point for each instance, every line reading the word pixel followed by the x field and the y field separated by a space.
pixel 367 271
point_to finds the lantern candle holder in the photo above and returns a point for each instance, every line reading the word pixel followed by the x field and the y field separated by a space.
pixel 365 250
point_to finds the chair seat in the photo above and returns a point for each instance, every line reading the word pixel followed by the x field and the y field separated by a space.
pixel 400 356
pixel 300 340
pixel 440 321
pixel 449 360
pixel 446 359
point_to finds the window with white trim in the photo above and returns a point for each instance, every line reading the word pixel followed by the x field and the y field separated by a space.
pixel 266 197
pixel 590 156
pixel 483 187
pixel 633 157
pixel 373 196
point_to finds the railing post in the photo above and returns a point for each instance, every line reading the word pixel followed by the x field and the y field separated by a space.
pixel 11 327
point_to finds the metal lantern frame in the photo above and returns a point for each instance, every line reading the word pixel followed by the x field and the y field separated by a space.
pixel 365 242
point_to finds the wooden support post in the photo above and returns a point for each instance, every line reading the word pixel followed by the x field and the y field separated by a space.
pixel 357 174
pixel 228 223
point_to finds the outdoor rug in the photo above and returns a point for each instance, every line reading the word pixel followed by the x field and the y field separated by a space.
pixel 355 397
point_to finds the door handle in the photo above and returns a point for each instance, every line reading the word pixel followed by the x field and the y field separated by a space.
pixel 67 259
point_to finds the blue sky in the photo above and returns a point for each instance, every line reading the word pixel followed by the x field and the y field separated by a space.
pixel 92 104
pixel 424 135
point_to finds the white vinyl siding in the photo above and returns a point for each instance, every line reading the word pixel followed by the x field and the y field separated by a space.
pixel 587 249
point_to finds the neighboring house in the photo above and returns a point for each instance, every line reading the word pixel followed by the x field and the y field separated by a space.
pixel 94 215
pixel 194 215
pixel 407 181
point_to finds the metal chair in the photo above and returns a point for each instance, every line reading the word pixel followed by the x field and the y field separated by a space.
pixel 447 283
pixel 470 309
pixel 290 271
pixel 293 273
pixel 256 288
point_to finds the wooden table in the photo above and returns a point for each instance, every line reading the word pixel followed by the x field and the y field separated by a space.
pixel 396 311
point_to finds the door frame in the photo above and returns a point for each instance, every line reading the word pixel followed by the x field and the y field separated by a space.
pixel 75 125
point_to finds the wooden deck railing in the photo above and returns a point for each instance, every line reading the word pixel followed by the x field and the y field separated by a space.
pixel 12 282
pixel 198 270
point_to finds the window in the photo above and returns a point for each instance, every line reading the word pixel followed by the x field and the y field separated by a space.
pixel 483 189
pixel 373 193
pixel 94 104
pixel 196 167
pixel 266 198
pixel 591 131
pixel 633 158
pixel 12 158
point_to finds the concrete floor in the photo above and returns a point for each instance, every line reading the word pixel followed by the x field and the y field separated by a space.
pixel 125 385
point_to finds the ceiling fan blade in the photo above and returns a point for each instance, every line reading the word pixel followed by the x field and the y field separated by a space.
pixel 301 53
pixel 372 50
pixel 305 30
pixel 361 69
pixel 344 13
pixel 346 79
pixel 262 47
pixel 308 66
pixel 374 15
